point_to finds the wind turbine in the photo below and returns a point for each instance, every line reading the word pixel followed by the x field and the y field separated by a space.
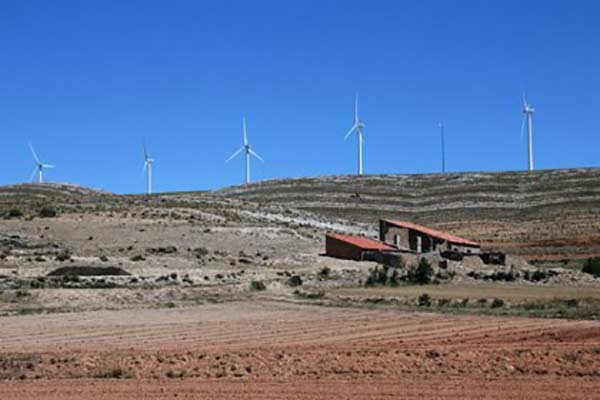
pixel 148 167
pixel 443 143
pixel 358 128
pixel 39 166
pixel 247 149
pixel 528 111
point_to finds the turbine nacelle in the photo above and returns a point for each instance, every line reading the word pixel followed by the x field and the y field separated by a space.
pixel 148 168
pixel 527 109
pixel 39 166
pixel 358 128
pixel 246 149
pixel 527 120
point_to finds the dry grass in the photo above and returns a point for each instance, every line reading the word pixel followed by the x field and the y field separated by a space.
pixel 512 293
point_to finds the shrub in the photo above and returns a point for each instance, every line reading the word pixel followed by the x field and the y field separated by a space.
pixel 592 266
pixel 537 275
pixel 116 373
pixel 294 281
pixel 506 276
pixel 377 276
pixel 309 295
pixel 394 278
pixel 424 300
pixel 497 303
pixel 423 273
pixel 325 272
pixel 48 212
pixel 64 255
pixel 443 302
pixel 258 285
pixel 14 213
pixel 571 302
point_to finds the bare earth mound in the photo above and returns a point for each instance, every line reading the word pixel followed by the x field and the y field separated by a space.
pixel 88 271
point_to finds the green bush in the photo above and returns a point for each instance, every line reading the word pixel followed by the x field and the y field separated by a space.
pixel 443 302
pixel 48 212
pixel 325 272
pixel 497 303
pixel 592 266
pixel 258 286
pixel 424 300
pixel 294 280
pixel 14 213
pixel 378 276
pixel 423 273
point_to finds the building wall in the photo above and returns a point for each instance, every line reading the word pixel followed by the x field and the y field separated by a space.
pixel 341 249
pixel 407 239
pixel 461 248
pixel 395 236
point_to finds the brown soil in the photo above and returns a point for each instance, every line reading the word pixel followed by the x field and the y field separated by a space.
pixel 266 349
pixel 412 387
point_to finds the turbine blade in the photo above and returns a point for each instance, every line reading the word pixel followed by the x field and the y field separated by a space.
pixel 145 151
pixel 356 109
pixel 235 154
pixel 523 119
pixel 524 102
pixel 256 155
pixel 350 131
pixel 37 160
pixel 33 174
pixel 244 129
pixel 48 166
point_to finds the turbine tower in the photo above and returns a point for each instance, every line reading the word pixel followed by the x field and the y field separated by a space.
pixel 358 128
pixel 247 149
pixel 39 166
pixel 528 111
pixel 148 167
pixel 443 143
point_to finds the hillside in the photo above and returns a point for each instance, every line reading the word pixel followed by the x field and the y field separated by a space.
pixel 551 214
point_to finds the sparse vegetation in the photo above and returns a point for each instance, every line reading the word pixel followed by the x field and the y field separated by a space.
pixel 14 213
pixel 592 266
pixel 294 281
pixel 115 373
pixel 258 286
pixel 310 295
pixel 325 272
pixel 424 300
pixel 422 274
pixel 47 212
pixel 497 303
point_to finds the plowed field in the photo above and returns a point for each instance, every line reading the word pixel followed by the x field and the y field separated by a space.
pixel 267 349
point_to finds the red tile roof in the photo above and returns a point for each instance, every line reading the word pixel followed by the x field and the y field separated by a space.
pixel 363 242
pixel 432 232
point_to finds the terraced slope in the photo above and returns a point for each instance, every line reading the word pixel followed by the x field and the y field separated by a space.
pixel 29 198
pixel 551 214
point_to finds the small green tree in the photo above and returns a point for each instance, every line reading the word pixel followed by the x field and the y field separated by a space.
pixel 423 273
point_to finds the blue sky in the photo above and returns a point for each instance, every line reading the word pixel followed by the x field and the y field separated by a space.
pixel 86 82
